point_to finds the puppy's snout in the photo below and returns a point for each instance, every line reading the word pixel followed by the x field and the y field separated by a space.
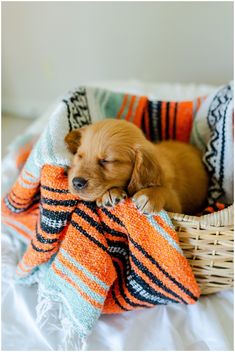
pixel 79 183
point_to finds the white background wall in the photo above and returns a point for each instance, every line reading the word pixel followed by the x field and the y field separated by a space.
pixel 50 47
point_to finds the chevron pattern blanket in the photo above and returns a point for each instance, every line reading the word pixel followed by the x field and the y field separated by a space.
pixel 88 260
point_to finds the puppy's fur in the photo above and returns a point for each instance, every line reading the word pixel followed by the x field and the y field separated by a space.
pixel 116 160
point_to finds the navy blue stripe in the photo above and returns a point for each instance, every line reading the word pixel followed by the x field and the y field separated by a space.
pixel 35 198
pixel 113 217
pixel 55 189
pixel 120 285
pixel 154 279
pixel 92 206
pixel 184 289
pixel 89 219
pixel 153 261
pixel 174 122
pixel 159 119
pixel 66 203
pixel 167 119
pixel 151 121
pixel 149 290
pixel 19 210
pixel 41 250
pixel 116 300
pixel 55 215
pixel 86 234
pixel 144 270
pixel 45 240
pixel 112 232
pixel 142 283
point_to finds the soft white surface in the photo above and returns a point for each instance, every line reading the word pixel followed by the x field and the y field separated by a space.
pixel 207 325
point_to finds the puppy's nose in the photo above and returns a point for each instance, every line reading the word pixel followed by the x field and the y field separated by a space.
pixel 79 183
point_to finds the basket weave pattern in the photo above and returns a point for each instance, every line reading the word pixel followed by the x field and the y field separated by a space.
pixel 207 242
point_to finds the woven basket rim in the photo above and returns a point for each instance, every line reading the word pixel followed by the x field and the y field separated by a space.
pixel 219 218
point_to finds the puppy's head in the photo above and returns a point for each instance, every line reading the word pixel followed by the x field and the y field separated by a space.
pixel 107 154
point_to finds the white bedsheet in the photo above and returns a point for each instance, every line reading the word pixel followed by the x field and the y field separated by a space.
pixel 207 325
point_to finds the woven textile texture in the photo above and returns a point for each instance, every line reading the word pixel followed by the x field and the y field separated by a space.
pixel 88 260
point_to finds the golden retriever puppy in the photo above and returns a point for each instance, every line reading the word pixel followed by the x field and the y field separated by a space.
pixel 113 160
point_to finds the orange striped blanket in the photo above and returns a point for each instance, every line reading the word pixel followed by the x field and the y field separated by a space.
pixel 92 260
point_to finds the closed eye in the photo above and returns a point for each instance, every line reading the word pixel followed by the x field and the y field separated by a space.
pixel 105 161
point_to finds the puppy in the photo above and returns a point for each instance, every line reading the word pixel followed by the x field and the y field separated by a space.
pixel 113 160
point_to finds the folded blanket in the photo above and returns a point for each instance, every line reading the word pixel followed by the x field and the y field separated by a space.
pixel 87 260
pixel 213 133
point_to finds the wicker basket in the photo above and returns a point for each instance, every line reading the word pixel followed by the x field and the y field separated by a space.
pixel 207 242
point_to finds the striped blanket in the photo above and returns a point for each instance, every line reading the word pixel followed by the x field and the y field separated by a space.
pixel 212 132
pixel 89 260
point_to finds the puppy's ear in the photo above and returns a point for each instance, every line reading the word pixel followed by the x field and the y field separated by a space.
pixel 73 139
pixel 146 172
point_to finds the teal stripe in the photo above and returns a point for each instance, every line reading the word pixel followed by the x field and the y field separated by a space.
pixel 25 185
pixel 78 307
pixel 164 215
pixel 164 234
pixel 126 107
pixel 135 105
pixel 28 177
pixel 82 268
pixel 113 104
pixel 101 97
pixel 81 284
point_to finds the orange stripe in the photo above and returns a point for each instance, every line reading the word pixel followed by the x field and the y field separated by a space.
pixel 121 299
pixel 33 258
pixel 122 107
pixel 83 294
pixel 151 283
pixel 87 249
pixel 111 223
pixel 167 228
pixel 170 263
pixel 171 119
pixel 198 104
pixel 139 111
pixel 57 196
pixel 29 174
pixel 220 205
pixel 16 203
pixel 163 120
pixel 114 238
pixel 27 181
pixel 184 121
pixel 135 224
pixel 69 208
pixel 83 277
pixel 90 230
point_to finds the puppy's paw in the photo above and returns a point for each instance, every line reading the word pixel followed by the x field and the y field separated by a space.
pixel 111 198
pixel 148 201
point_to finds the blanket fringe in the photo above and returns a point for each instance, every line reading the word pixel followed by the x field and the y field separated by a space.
pixel 52 315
